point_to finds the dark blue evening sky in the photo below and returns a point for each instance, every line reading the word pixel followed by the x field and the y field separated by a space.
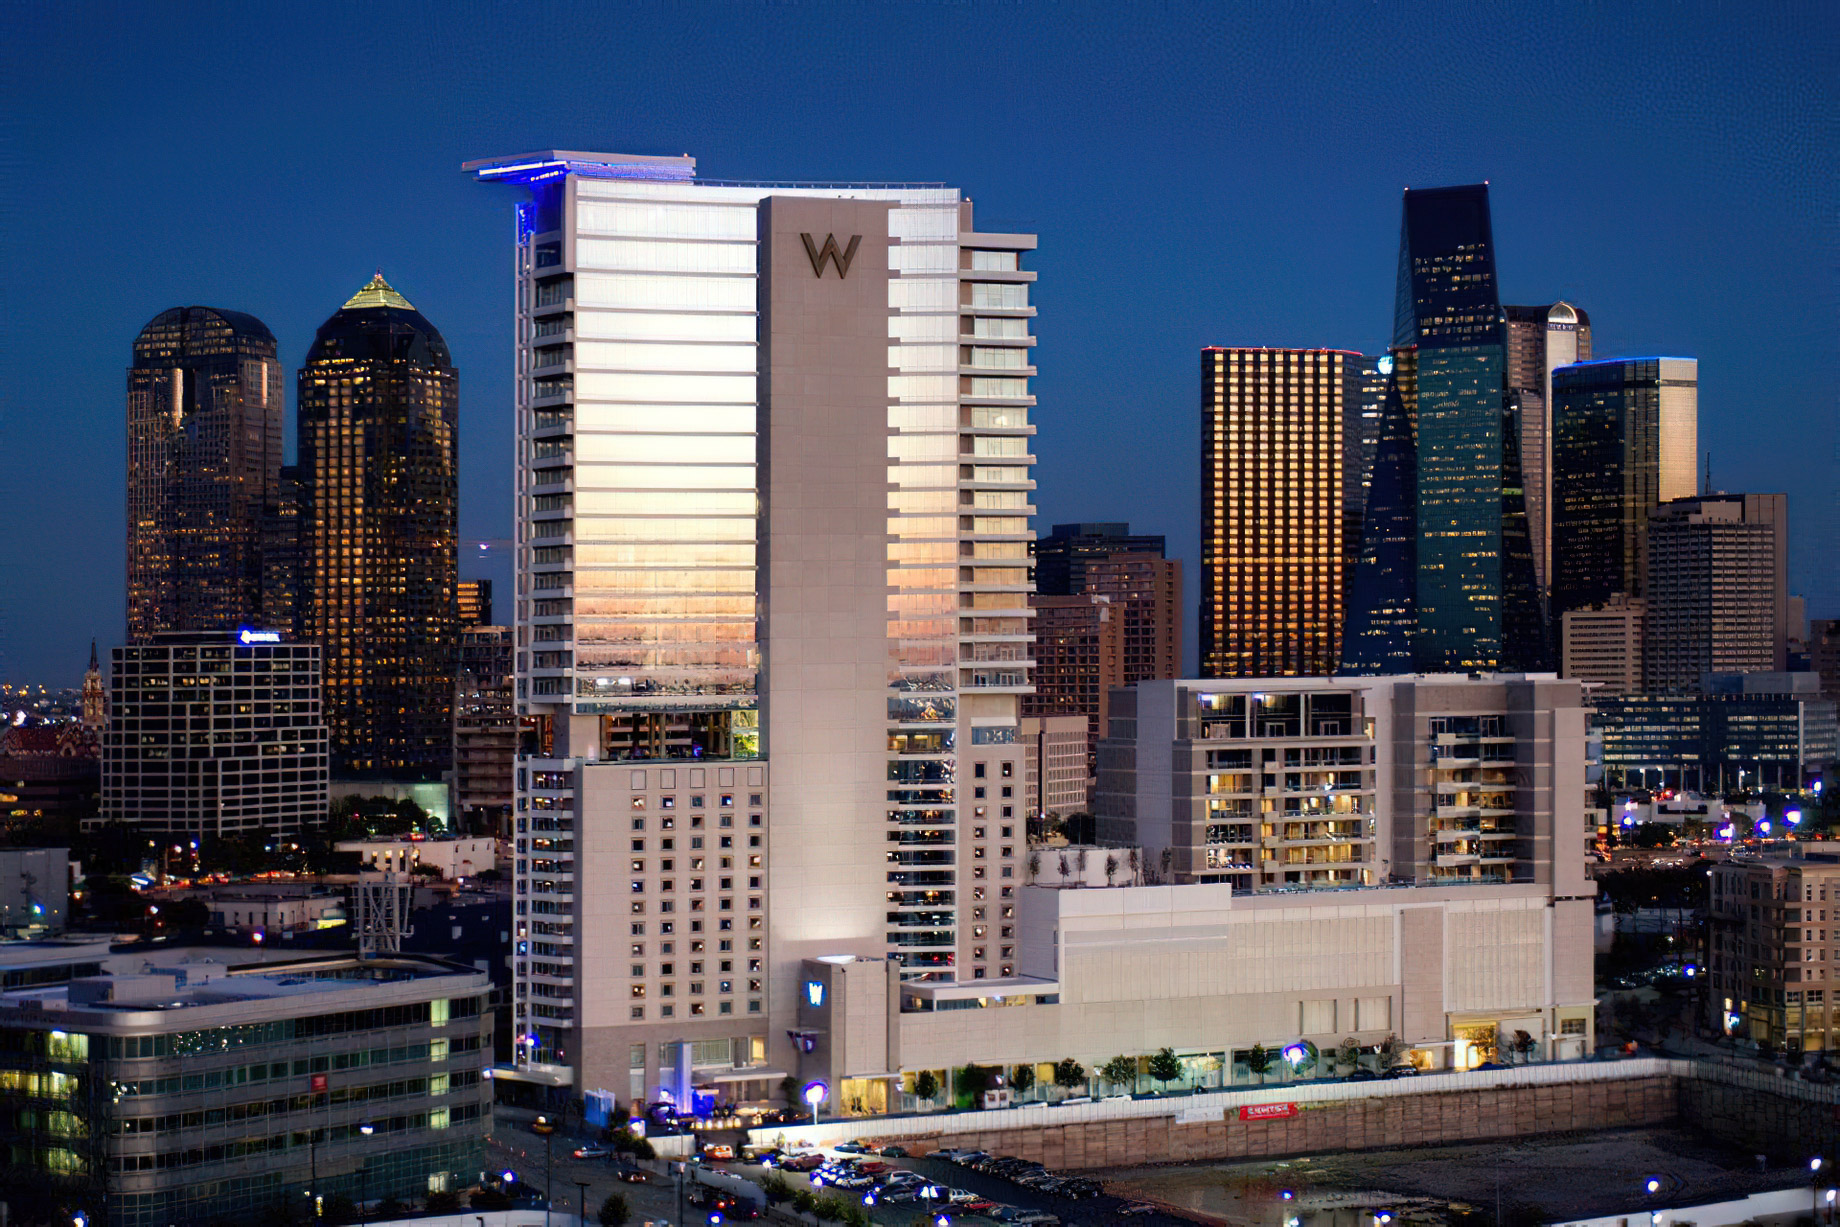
pixel 1223 174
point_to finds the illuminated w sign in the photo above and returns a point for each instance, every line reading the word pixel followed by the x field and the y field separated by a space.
pixel 829 252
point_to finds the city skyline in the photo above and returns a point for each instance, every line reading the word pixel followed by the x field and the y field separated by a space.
pixel 1225 272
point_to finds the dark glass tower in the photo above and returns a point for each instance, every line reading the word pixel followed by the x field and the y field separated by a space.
pixel 204 445
pixel 1474 595
pixel 1062 555
pixel 1382 590
pixel 379 406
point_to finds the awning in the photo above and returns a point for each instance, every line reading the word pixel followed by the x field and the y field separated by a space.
pixel 746 1075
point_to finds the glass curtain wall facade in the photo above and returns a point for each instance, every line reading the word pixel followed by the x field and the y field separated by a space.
pixel 378 410
pixel 1540 340
pixel 1277 429
pixel 1476 603
pixel 204 448
pixel 640 539
pixel 1625 435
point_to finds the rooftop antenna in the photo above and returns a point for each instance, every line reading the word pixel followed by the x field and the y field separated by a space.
pixel 1707 489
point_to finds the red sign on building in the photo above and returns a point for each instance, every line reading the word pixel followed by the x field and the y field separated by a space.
pixel 319 1082
pixel 1268 1111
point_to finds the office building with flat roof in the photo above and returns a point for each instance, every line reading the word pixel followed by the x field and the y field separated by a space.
pixel 1061 557
pixel 215 735
pixel 197 1091
pixel 1717 588
pixel 1079 660
pixel 1603 644
pixel 1281 485
pixel 1625 439
pixel 1540 339
pixel 1771 958
pixel 772 606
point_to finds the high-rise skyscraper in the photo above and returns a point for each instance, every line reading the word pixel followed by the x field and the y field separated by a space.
pixel 1540 340
pixel 1286 454
pixel 1474 600
pixel 1625 438
pixel 772 606
pixel 475 602
pixel 378 409
pixel 1061 557
pixel 1079 656
pixel 281 561
pixel 204 443
pixel 1718 589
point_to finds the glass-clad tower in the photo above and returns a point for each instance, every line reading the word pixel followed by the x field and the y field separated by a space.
pixel 204 446
pixel 1625 438
pixel 772 606
pixel 378 412
pixel 1476 602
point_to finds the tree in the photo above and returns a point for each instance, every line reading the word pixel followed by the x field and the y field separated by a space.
pixel 1258 1061
pixel 1390 1048
pixel 1524 1044
pixel 1120 1071
pixel 971 1083
pixel 1022 1078
pixel 1164 1066
pixel 613 1211
pixel 1069 1074
pixel 1034 865
pixel 1349 1054
pixel 926 1086
pixel 1111 867
pixel 789 1090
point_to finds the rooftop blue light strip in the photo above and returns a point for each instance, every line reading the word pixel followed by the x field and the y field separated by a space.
pixel 541 172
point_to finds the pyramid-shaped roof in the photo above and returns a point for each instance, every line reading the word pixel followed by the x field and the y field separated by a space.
pixel 377 293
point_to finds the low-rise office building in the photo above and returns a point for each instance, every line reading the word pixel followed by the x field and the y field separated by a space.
pixel 1455 974
pixel 1740 731
pixel 1773 952
pixel 451 858
pixel 34 891
pixel 194 1092
pixel 1055 780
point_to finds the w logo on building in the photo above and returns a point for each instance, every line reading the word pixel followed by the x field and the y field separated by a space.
pixel 830 252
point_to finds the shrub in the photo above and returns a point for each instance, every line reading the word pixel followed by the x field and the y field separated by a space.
pixel 614 1212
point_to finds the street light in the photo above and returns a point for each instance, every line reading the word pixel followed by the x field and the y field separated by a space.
pixel 815 1093
pixel 1814 1188
pixel 364 1176
pixel 547 1128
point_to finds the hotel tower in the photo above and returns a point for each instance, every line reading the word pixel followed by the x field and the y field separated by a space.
pixel 771 608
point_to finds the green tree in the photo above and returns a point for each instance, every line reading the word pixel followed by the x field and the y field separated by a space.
pixel 1165 1067
pixel 789 1090
pixel 1069 1074
pixel 777 1188
pixel 1258 1061
pixel 804 1200
pixel 1348 1056
pixel 971 1083
pixel 613 1212
pixel 1022 1079
pixel 1523 1045
pixel 926 1086
pixel 1120 1071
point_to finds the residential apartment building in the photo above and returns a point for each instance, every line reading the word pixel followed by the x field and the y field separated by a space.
pixel 199 1091
pixel 1603 644
pixel 214 735
pixel 1773 949
pixel 1283 783
pixel 474 602
pixel 772 607
pixel 1282 491
pixel 1718 589
pixel 1824 654
pixel 1625 438
pixel 1146 591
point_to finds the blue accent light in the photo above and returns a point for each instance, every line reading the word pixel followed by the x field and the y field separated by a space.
pixel 543 168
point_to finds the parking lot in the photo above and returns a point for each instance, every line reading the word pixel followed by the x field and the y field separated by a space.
pixel 1007 1196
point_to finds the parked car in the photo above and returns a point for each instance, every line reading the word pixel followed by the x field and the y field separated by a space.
pixel 810 1161
pixel 948 1154
pixel 1401 1071
pixel 967 1157
pixel 850 1148
pixel 905 1191
pixel 959 1197
pixel 1006 1214
pixel 979 1206
pixel 718 1152
pixel 593 1152
pixel 631 1175
pixel 893 1152
pixel 1491 1065
pixel 1139 1207
pixel 1359 1075
pixel 1036 1218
